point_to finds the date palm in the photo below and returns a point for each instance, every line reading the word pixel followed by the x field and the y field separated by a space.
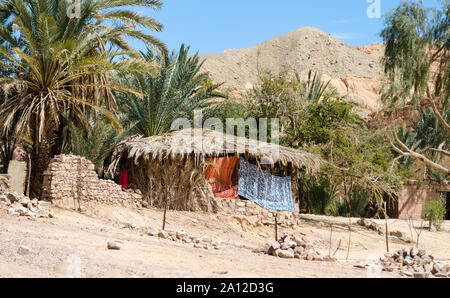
pixel 53 64
pixel 175 91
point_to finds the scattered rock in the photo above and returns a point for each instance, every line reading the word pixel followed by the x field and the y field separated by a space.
pixel 290 247
pixel 113 245
pixel 286 254
pixel 21 205
pixel 414 252
pixel 24 250
pixel 152 232
pixel 163 234
pixel 413 262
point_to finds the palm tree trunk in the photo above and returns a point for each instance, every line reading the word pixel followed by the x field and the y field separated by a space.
pixel 40 159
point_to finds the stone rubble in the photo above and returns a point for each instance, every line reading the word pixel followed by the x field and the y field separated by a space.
pixel 17 204
pixel 412 262
pixel 381 230
pixel 204 242
pixel 290 247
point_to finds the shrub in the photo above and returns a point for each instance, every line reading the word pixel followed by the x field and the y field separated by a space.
pixel 434 211
pixel 317 193
pixel 353 206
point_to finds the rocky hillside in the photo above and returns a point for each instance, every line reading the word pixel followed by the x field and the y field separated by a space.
pixel 354 71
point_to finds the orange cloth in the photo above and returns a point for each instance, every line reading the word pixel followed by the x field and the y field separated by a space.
pixel 219 176
pixel 222 171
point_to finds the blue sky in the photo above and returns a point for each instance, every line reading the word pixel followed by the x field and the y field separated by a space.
pixel 212 26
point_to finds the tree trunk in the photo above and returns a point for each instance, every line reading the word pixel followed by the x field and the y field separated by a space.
pixel 40 159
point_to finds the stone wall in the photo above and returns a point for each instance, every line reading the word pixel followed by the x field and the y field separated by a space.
pixel 69 178
pixel 255 213
pixel 415 194
pixel 4 182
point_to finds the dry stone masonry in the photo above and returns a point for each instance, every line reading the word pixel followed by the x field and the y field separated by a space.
pixel 253 213
pixel 70 178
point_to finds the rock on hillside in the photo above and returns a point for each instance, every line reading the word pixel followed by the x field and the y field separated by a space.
pixel 353 71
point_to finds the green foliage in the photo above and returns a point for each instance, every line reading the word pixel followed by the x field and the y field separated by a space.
pixel 320 121
pixel 8 144
pixel 314 89
pixel 425 133
pixel 354 206
pixel 435 211
pixel 417 69
pixel 176 91
pixel 315 118
pixel 53 63
pixel 317 193
pixel 95 144
pixel 427 130
pixel 410 32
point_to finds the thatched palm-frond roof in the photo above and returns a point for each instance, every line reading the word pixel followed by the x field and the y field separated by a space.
pixel 201 144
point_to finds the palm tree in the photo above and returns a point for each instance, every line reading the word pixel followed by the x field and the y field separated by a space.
pixel 95 144
pixel 176 91
pixel 53 64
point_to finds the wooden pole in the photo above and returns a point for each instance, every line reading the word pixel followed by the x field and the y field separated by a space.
pixel 387 231
pixel 331 237
pixel 28 175
pixel 276 227
pixel 165 212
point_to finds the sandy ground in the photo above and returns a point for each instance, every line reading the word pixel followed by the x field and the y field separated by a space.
pixel 74 244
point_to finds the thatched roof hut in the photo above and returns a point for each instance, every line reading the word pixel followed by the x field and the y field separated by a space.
pixel 172 165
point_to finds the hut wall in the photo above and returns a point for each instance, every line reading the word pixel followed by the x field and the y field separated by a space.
pixel 70 178
pixel 179 183
pixel 414 195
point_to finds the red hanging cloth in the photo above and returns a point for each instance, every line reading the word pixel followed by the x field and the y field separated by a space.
pixel 123 180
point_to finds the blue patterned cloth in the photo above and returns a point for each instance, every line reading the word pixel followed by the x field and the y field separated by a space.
pixel 271 192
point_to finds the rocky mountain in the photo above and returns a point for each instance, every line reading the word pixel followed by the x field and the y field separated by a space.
pixel 354 71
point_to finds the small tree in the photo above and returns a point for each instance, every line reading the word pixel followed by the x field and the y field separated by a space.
pixel 434 211
pixel 416 65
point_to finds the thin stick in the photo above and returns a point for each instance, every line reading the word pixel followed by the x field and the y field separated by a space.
pixel 387 231
pixel 349 236
pixel 165 212
pixel 28 176
pixel 331 236
pixel 339 246
pixel 276 227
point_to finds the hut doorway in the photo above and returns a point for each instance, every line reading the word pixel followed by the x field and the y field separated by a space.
pixel 219 175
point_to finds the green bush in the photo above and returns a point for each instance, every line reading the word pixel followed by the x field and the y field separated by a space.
pixel 317 193
pixel 434 211
pixel 354 206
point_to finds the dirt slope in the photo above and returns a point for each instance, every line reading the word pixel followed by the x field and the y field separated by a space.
pixel 74 245
pixel 353 71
